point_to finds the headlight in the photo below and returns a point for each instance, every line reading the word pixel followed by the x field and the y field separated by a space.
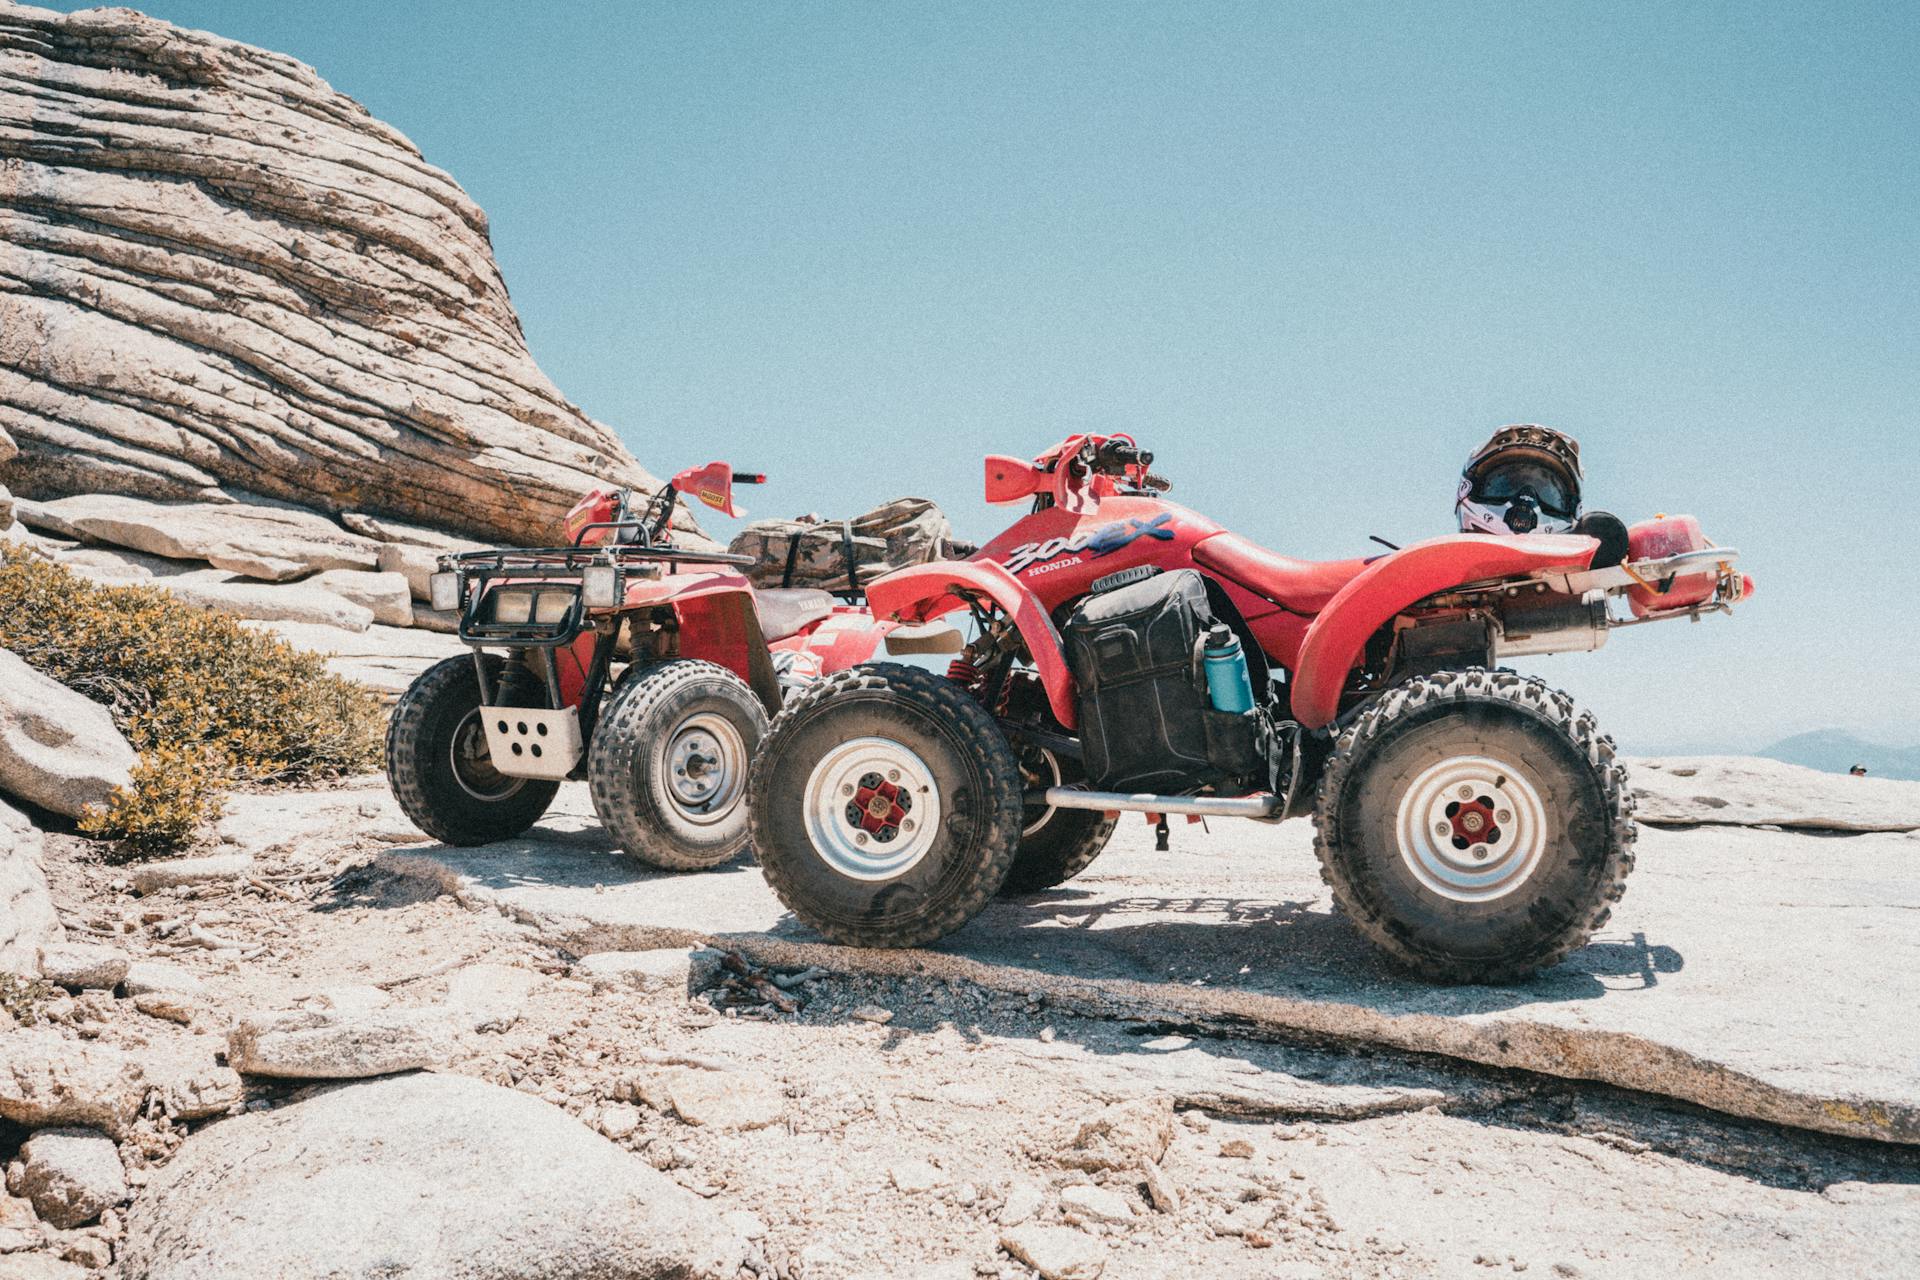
pixel 443 590
pixel 512 606
pixel 553 606
pixel 600 586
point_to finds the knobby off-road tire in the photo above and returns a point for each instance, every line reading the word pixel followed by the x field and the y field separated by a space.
pixel 668 766
pixel 439 767
pixel 1410 835
pixel 837 843
pixel 1055 844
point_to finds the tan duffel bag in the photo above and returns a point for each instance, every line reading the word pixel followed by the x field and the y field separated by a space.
pixel 845 555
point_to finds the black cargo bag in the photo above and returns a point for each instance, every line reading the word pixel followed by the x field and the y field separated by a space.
pixel 1136 657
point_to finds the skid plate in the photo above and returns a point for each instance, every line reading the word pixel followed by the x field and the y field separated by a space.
pixel 526 743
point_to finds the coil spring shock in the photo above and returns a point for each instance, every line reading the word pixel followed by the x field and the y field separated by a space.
pixel 964 671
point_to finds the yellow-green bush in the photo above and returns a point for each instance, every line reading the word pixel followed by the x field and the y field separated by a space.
pixel 205 701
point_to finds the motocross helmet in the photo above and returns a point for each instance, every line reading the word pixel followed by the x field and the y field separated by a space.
pixel 1524 479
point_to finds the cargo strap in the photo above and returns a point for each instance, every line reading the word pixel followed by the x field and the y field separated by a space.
pixel 793 558
pixel 846 549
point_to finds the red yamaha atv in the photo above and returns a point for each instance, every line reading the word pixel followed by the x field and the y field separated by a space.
pixel 646 668
pixel 1471 822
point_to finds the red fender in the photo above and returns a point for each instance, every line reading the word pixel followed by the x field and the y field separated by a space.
pixel 923 592
pixel 1389 585
pixel 718 624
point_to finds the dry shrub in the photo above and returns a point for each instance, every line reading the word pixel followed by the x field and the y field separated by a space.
pixel 206 701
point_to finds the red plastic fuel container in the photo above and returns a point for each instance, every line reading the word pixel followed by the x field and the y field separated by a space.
pixel 1656 539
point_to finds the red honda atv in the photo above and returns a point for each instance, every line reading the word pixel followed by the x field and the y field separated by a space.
pixel 646 668
pixel 1472 822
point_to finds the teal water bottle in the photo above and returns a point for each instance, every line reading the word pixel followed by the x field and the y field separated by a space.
pixel 1229 685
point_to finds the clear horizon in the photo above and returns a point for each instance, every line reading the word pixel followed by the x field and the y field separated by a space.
pixel 1311 255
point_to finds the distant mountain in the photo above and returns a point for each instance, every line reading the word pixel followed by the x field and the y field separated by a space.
pixel 1836 751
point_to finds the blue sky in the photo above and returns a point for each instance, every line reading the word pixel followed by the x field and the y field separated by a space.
pixel 1310 254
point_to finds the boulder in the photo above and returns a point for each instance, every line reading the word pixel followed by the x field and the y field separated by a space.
pixel 223 275
pixel 432 1177
pixel 337 1044
pixel 83 966
pixel 444 621
pixel 415 564
pixel 71 1175
pixel 385 595
pixel 6 508
pixel 1749 791
pixel 252 539
pixel 27 918
pixel 295 602
pixel 58 749
pixel 47 1079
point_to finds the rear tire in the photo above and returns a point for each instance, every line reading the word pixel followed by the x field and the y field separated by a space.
pixel 1475 826
pixel 1055 844
pixel 886 806
pixel 439 767
pixel 668 766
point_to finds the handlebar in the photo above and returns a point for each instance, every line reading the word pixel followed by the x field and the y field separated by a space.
pixel 1117 458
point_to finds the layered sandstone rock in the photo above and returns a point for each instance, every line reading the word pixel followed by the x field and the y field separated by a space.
pixel 219 277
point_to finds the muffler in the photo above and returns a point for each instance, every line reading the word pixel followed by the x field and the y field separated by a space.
pixel 1561 626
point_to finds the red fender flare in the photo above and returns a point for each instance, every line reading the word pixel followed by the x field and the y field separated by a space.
pixel 1381 591
pixel 718 624
pixel 923 592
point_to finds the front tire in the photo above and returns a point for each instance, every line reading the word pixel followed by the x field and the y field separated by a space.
pixel 1475 826
pixel 886 807
pixel 668 766
pixel 438 763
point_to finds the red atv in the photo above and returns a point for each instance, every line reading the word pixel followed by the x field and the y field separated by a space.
pixel 1472 822
pixel 646 668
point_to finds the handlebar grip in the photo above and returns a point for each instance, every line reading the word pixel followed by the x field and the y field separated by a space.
pixel 1113 457
pixel 749 477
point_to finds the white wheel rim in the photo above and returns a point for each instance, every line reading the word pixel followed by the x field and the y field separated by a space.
pixel 872 809
pixel 1050 779
pixel 1472 828
pixel 472 762
pixel 704 765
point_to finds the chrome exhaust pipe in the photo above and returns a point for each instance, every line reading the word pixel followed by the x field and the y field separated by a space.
pixel 1261 804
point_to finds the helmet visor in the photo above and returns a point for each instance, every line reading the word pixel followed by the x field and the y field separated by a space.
pixel 1512 478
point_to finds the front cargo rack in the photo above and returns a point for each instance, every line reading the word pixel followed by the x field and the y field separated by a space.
pixel 548 571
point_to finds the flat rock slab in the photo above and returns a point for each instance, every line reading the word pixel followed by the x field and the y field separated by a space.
pixel 1767 974
pixel 1749 791
pixel 275 542
pixel 387 659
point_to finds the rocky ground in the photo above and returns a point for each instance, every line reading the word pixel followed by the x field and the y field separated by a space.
pixel 209 1056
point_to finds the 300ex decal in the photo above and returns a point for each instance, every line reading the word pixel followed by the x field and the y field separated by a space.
pixel 1095 542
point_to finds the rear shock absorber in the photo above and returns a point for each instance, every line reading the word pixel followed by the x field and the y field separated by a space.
pixel 964 671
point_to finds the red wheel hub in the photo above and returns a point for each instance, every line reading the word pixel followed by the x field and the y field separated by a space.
pixel 1473 822
pixel 879 806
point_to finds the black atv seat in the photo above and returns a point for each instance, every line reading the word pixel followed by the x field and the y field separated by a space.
pixel 785 611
